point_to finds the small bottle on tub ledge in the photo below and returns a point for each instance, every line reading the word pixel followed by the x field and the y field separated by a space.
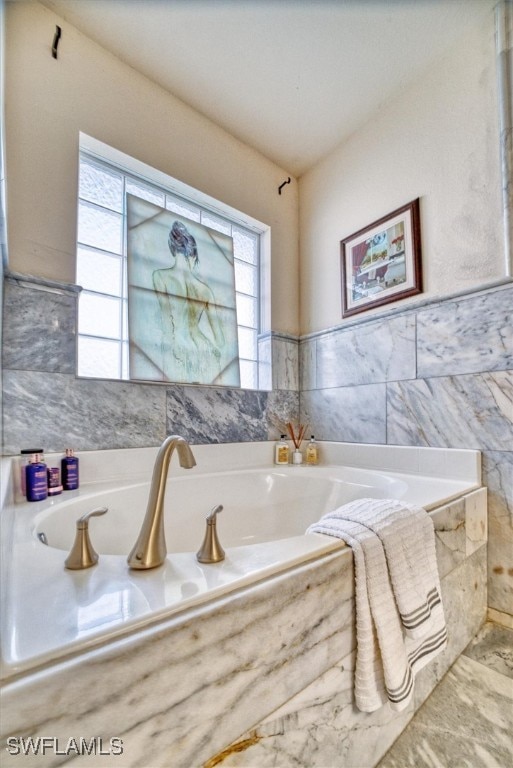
pixel 312 452
pixel 35 479
pixel 54 481
pixel 281 451
pixel 69 471
pixel 20 472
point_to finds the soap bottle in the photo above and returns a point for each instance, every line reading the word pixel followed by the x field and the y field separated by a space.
pixel 35 479
pixel 312 452
pixel 281 451
pixel 69 471
pixel 20 466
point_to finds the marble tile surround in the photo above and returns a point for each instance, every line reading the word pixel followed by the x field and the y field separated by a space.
pixel 474 410
pixel 100 414
pixel 320 726
pixel 467 335
pixel 279 653
pixel 353 357
pixel 43 336
pixel 348 414
pixel 160 690
pixel 214 415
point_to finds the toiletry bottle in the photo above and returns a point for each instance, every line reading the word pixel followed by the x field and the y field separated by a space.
pixel 312 452
pixel 20 465
pixel 35 479
pixel 69 471
pixel 281 451
pixel 54 481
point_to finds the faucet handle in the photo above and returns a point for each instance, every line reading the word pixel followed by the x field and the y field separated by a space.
pixel 211 550
pixel 83 554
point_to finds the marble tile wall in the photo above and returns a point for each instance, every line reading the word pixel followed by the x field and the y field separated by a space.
pixel 440 375
pixel 45 403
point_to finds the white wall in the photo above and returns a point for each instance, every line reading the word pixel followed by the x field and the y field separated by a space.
pixel 438 140
pixel 87 89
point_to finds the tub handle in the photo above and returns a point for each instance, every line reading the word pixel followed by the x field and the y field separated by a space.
pixel 83 554
pixel 211 550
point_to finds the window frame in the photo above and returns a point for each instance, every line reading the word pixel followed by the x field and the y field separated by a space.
pixel 111 160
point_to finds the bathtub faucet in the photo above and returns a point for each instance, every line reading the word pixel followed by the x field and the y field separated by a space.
pixel 150 549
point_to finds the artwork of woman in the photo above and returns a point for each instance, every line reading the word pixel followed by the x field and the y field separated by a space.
pixel 182 308
pixel 193 337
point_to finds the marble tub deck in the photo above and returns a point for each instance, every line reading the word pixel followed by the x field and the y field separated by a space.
pixel 467 722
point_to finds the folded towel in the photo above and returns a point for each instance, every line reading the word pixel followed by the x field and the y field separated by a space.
pixel 400 624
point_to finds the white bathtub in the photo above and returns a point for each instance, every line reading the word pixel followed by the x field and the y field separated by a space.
pixel 50 612
pixel 259 505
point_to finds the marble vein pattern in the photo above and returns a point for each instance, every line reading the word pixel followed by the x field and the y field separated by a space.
pixel 460 530
pixel 39 331
pixel 467 721
pixel 282 407
pixel 498 477
pixel 49 408
pixel 476 520
pixel 450 537
pixel 320 726
pixel 493 647
pixel 368 354
pixel 223 415
pixel 215 414
pixel 349 414
pixel 468 335
pixel 471 411
pixel 177 693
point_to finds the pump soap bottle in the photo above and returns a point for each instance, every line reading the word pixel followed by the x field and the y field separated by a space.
pixel 69 471
pixel 20 476
pixel 35 479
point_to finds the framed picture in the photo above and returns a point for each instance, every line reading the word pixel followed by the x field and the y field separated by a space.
pixel 382 262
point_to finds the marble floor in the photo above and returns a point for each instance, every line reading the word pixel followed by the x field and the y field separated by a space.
pixel 467 722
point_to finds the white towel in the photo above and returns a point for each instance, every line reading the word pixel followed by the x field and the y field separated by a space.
pixel 400 624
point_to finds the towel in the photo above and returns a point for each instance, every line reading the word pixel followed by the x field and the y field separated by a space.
pixel 400 624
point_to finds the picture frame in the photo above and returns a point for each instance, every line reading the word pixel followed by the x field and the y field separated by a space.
pixel 381 263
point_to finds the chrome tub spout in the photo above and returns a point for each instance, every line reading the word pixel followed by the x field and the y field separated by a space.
pixel 150 549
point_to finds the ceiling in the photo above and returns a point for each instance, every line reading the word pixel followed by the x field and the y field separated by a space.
pixel 291 78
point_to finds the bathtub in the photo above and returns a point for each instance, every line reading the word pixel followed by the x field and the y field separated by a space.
pixel 50 612
pixel 259 506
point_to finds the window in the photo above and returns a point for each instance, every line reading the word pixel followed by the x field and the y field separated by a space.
pixel 102 262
